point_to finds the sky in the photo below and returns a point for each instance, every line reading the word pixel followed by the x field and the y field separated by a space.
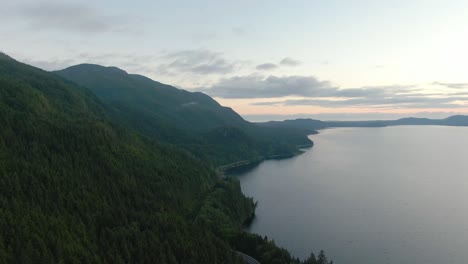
pixel 327 59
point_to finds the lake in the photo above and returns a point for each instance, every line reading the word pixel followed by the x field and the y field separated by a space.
pixel 369 195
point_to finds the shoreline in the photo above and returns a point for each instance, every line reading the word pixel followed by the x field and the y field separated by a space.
pixel 248 164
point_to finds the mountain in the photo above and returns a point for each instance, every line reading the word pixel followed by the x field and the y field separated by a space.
pixel 457 120
pixel 191 120
pixel 163 103
pixel 76 188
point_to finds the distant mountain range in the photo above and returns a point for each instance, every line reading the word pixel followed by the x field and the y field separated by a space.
pixel 309 125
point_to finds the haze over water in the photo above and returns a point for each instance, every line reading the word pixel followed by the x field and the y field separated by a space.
pixel 369 195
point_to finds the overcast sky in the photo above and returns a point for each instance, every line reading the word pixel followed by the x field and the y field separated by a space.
pixel 342 59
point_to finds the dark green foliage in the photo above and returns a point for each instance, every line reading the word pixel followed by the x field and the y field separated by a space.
pixel 193 121
pixel 224 208
pixel 266 251
pixel 76 189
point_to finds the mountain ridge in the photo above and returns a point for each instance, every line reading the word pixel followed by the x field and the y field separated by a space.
pixel 190 120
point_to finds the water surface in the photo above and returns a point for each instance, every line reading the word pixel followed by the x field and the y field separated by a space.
pixel 369 195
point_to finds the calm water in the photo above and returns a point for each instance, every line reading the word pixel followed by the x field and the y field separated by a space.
pixel 369 195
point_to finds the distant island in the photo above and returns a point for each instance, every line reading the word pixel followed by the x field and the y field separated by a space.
pixel 310 125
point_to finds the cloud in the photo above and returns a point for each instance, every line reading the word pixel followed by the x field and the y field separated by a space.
pixel 393 102
pixel 266 66
pixel 256 86
pixel 68 17
pixel 314 92
pixel 289 62
pixel 396 101
pixel 196 62
pixel 452 85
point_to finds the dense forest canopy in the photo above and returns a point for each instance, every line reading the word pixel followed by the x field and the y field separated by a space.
pixel 76 186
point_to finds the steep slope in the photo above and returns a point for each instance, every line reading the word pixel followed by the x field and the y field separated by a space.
pixel 193 121
pixel 166 104
pixel 75 188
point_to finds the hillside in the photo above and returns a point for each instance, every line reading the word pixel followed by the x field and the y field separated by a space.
pixel 76 188
pixel 191 120
pixel 165 104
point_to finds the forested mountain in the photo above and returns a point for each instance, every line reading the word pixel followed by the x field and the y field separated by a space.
pixel 167 105
pixel 191 120
pixel 76 187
